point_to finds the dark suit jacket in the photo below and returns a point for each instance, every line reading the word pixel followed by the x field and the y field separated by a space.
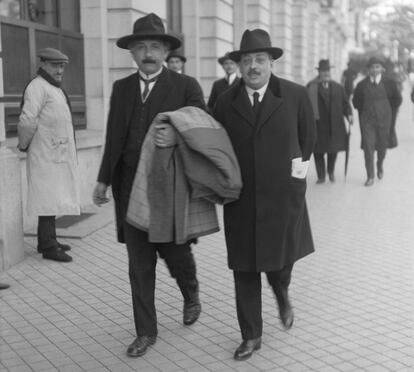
pixel 171 92
pixel 268 227
pixel 219 86
pixel 394 98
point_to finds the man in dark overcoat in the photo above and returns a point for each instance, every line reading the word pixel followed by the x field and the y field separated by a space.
pixel 135 101
pixel 377 99
pixel 221 85
pixel 270 123
pixel 330 107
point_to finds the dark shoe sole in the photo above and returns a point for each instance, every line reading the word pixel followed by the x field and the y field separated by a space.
pixel 197 313
pixel 245 357
pixel 136 355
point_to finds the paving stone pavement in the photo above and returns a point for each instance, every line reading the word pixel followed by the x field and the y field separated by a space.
pixel 353 298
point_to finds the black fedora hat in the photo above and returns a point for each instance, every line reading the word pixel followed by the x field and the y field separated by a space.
pixel 224 58
pixel 255 41
pixel 148 27
pixel 176 54
pixel 324 65
pixel 375 60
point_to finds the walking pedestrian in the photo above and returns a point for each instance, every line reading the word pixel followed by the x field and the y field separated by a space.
pixel 330 107
pixel 46 133
pixel 348 77
pixel 176 61
pixel 270 123
pixel 135 101
pixel 377 99
pixel 221 85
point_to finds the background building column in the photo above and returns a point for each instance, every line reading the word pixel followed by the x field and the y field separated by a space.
pixel 281 36
pixel 300 44
pixel 11 217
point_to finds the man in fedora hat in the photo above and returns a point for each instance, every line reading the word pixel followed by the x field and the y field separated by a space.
pixel 221 85
pixel 175 61
pixel 270 123
pixel 377 99
pixel 135 101
pixel 46 134
pixel 330 107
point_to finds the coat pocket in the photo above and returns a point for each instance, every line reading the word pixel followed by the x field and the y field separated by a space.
pixel 60 149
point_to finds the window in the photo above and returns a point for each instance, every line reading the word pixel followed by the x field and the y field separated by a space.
pixel 27 26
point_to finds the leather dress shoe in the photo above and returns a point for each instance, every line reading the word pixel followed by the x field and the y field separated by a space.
pixel 56 254
pixel 63 247
pixel 380 174
pixel 369 182
pixel 140 345
pixel 285 308
pixel 246 348
pixel 4 286
pixel 191 312
pixel 331 177
pixel 320 181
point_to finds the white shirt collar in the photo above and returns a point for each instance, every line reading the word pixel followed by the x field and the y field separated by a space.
pixel 261 92
pixel 149 77
pixel 377 78
pixel 231 77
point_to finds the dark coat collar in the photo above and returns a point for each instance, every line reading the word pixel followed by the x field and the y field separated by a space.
pixel 270 102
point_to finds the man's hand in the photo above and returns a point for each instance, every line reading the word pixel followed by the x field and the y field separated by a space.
pixel 165 135
pixel 99 194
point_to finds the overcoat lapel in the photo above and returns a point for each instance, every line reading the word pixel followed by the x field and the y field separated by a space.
pixel 270 103
pixel 131 97
pixel 242 105
pixel 161 89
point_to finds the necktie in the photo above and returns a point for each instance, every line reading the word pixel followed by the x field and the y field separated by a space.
pixel 325 84
pixel 256 103
pixel 146 87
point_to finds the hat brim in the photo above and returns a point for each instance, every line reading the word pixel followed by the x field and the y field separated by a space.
pixel 125 41
pixel 274 52
pixel 54 60
pixel 221 60
pixel 324 68
pixel 183 59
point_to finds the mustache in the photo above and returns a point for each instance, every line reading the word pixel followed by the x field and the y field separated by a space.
pixel 148 60
pixel 253 72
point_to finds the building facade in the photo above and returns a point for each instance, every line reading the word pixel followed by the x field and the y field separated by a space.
pixel 86 30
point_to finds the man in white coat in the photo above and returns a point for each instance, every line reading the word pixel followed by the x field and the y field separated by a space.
pixel 46 133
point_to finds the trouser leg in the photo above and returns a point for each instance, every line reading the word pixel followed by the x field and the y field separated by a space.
pixel 182 267
pixel 331 162
pixel 46 233
pixel 320 165
pixel 248 287
pixel 142 260
pixel 280 280
pixel 380 159
pixel 369 163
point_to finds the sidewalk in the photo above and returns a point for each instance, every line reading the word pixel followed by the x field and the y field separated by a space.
pixel 353 298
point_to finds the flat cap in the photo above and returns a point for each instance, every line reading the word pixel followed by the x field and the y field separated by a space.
pixel 52 55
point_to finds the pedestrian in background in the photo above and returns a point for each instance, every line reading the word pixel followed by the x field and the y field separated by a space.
pixel 47 135
pixel 135 102
pixel 175 61
pixel 377 99
pixel 221 85
pixel 330 107
pixel 270 123
pixel 348 77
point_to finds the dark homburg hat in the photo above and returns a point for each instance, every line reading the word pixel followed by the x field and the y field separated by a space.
pixel 52 55
pixel 176 54
pixel 253 42
pixel 223 59
pixel 148 27
pixel 375 60
pixel 324 65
